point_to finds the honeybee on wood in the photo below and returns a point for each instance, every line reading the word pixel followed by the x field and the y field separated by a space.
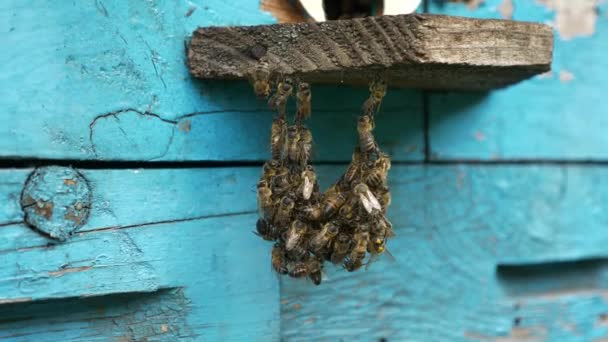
pixel 312 267
pixel 367 199
pixel 377 91
pixel 304 146
pixel 341 248
pixel 259 76
pixel 357 255
pixel 297 253
pixel 309 179
pixel 278 260
pixel 303 97
pixel 281 182
pixel 278 101
pixel 312 212
pixel 353 168
pixel 365 126
pixel 293 137
pixel 266 231
pixel 294 234
pixel 277 138
pixel 332 201
pixel 384 197
pixel 265 205
pixel 283 214
pixel 376 178
pixel 324 237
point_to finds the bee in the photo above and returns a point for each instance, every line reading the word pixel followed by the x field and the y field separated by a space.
pixel 376 178
pixel 324 237
pixel 297 253
pixel 266 231
pixel 367 143
pixel 259 77
pixel 347 212
pixel 277 138
pixel 341 248
pixel 332 201
pixel 311 267
pixel 384 197
pixel 278 261
pixel 312 213
pixel 278 101
pixel 270 169
pixel 367 199
pixel 265 205
pixel 281 182
pixel 303 96
pixel 309 179
pixel 357 255
pixel 304 146
pixel 293 137
pixel 377 91
pixel 353 167
pixel 283 214
pixel 295 233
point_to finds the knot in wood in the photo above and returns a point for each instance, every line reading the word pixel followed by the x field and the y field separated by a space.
pixel 56 201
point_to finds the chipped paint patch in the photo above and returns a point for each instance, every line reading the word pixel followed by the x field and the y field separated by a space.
pixel 566 76
pixel 56 201
pixel 69 270
pixel 185 126
pixel 573 18
pixel 479 136
pixel 517 334
pixel 506 9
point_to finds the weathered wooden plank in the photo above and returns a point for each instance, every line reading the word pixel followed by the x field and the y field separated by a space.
pixel 115 86
pixel 454 224
pixel 423 51
pixel 558 115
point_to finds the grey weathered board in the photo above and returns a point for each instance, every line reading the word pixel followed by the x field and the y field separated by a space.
pixel 422 51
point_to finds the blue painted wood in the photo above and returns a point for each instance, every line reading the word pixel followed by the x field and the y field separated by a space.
pixel 554 116
pixel 455 225
pixel 212 259
pixel 93 68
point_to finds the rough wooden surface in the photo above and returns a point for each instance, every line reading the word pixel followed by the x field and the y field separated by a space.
pixel 557 115
pixel 423 51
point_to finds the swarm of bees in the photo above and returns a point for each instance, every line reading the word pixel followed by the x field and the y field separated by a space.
pixel 308 227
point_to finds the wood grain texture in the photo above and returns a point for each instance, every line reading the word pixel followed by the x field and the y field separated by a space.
pixel 432 52
pixel 558 115
pixel 109 81
pixel 189 228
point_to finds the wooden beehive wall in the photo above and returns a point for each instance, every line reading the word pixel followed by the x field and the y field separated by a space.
pixel 499 198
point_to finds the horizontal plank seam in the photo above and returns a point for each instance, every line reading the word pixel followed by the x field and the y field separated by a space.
pixel 27 163
pixel 139 225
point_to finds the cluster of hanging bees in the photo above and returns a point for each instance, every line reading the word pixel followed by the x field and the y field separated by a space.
pixel 308 227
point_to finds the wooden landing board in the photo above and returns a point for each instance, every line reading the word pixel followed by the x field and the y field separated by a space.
pixel 422 51
pixel 452 234
pixel 557 115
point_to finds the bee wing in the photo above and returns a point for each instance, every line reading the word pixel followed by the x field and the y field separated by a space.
pixel 372 258
pixel 373 200
pixel 307 188
pixel 292 241
pixel 366 203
